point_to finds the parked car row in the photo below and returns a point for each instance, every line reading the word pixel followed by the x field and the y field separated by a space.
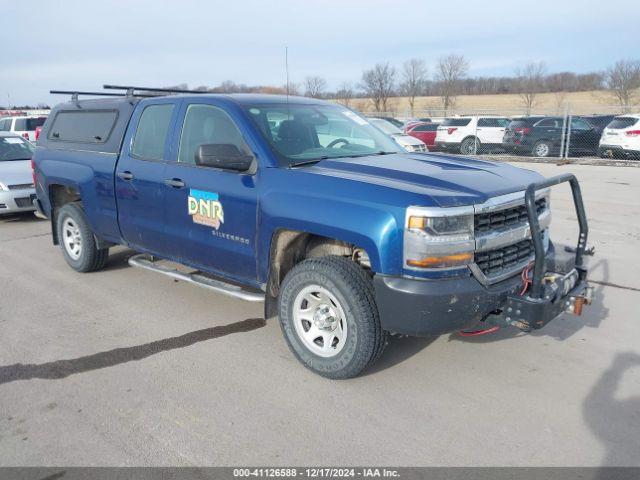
pixel 538 136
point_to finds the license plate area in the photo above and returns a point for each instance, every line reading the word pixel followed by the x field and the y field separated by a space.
pixel 566 293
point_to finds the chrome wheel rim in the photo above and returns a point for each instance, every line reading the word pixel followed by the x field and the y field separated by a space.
pixel 472 148
pixel 542 150
pixel 72 238
pixel 319 321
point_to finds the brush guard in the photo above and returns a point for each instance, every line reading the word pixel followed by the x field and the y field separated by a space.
pixel 551 293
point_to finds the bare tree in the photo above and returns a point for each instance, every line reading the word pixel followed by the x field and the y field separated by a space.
pixel 559 100
pixel 530 82
pixel 414 75
pixel 623 81
pixel 314 86
pixel 378 84
pixel 450 70
pixel 345 94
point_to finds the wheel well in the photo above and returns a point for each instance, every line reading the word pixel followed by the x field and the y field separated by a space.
pixel 290 247
pixel 60 195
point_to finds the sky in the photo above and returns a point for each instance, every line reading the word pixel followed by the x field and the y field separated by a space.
pixel 81 45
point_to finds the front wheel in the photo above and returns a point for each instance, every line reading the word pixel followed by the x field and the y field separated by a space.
pixel 77 241
pixel 329 317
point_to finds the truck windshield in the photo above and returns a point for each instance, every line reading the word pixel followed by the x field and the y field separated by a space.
pixel 15 148
pixel 300 134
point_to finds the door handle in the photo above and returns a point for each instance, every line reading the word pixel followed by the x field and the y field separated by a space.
pixel 126 175
pixel 174 182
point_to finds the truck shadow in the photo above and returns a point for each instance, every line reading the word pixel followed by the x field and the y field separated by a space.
pixel 614 421
pixel 64 368
pixel 118 258
pixel 21 217
pixel 398 350
pixel 562 328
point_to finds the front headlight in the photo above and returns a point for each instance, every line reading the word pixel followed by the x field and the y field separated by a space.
pixel 438 238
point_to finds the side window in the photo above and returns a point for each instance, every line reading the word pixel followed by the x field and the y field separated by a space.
pixel 579 124
pixel 82 126
pixel 21 124
pixel 487 122
pixel 548 123
pixel 151 133
pixel 5 125
pixel 207 125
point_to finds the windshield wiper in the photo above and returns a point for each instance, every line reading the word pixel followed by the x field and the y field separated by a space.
pixel 307 162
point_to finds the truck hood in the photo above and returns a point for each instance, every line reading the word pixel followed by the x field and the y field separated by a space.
pixel 15 172
pixel 446 180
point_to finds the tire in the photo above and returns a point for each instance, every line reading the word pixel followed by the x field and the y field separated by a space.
pixel 470 146
pixel 77 240
pixel 541 149
pixel 340 297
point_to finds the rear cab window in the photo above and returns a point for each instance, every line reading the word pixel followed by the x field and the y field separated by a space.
pixel 620 123
pixel 83 126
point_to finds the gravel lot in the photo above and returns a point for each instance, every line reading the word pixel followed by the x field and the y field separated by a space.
pixel 124 367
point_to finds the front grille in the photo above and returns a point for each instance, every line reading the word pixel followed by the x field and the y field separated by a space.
pixel 485 222
pixel 504 258
pixel 21 186
pixel 23 202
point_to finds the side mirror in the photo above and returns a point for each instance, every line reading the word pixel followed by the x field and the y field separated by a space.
pixel 223 155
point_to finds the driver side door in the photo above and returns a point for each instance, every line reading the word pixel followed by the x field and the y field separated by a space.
pixel 211 213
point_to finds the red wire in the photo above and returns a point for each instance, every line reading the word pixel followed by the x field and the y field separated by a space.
pixel 525 278
pixel 526 281
pixel 477 333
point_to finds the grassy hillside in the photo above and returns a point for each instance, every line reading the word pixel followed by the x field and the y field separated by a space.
pixel 582 103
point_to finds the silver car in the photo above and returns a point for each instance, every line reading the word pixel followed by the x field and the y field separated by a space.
pixel 17 191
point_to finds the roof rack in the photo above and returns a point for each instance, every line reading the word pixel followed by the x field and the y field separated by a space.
pixel 131 89
pixel 74 94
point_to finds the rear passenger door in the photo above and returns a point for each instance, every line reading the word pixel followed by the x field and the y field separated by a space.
pixel 140 175
pixel 491 130
pixel 584 137
pixel 211 213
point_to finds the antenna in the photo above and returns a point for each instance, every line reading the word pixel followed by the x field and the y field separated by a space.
pixel 286 67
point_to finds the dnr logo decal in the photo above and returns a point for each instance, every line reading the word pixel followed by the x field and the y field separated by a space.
pixel 205 208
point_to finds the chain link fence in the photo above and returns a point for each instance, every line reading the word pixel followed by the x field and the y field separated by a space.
pixel 608 131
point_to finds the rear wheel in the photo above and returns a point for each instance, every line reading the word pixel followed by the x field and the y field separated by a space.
pixel 77 241
pixel 470 146
pixel 329 317
pixel 541 149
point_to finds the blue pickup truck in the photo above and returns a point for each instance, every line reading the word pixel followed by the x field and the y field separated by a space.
pixel 306 206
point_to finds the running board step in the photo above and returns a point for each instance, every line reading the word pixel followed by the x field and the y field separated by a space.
pixel 197 278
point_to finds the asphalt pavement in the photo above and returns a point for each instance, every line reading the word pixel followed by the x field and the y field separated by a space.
pixel 127 367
